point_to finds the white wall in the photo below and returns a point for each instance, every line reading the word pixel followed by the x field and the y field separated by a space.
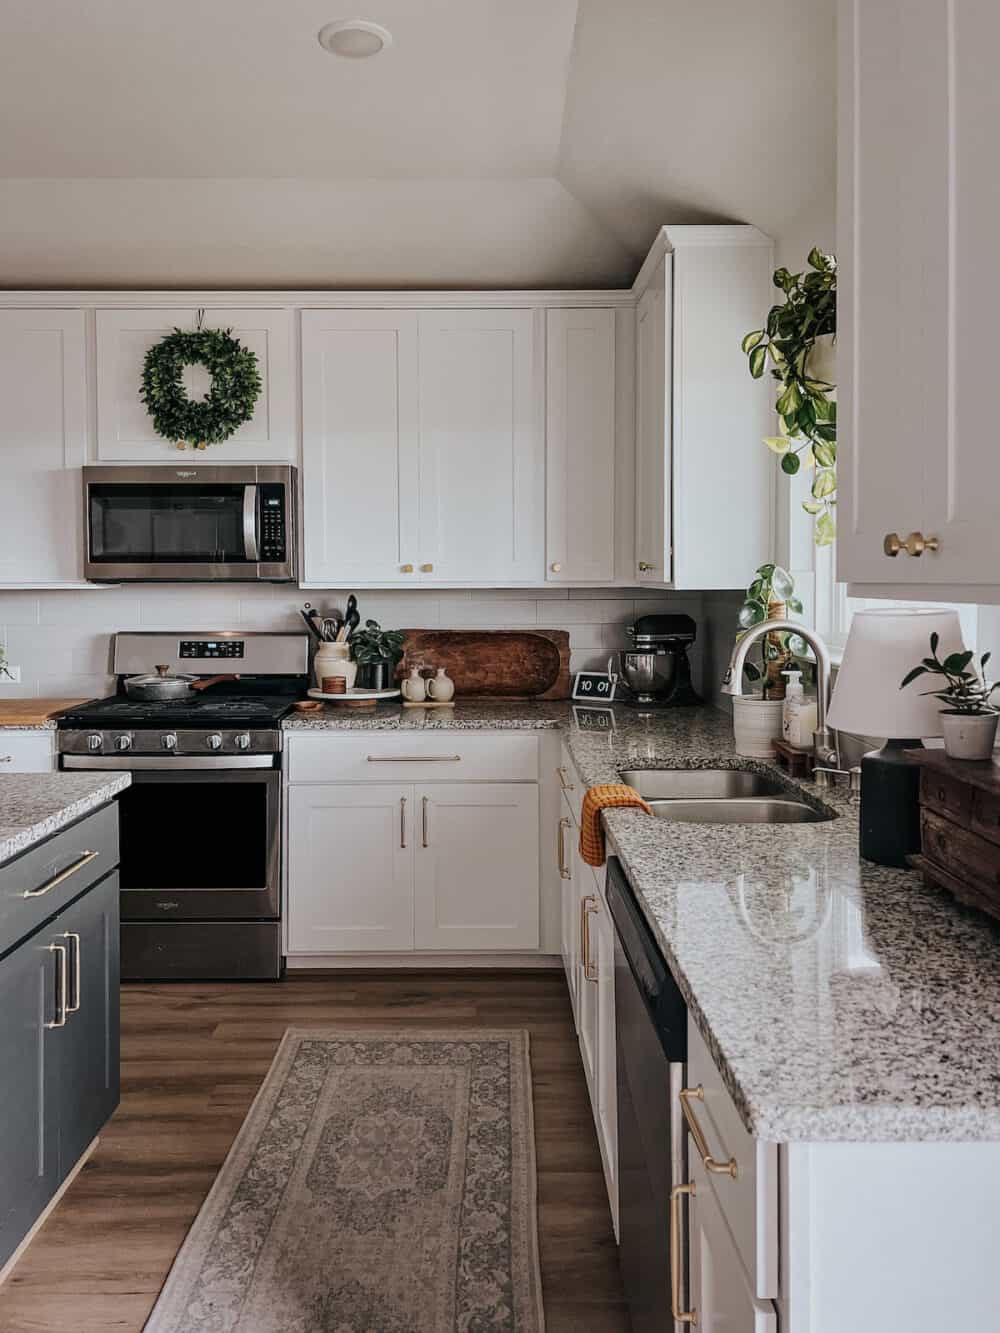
pixel 62 640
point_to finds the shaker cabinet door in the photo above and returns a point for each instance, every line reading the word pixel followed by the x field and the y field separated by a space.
pixel 580 446
pixel 350 868
pixel 482 473
pixel 29 1088
pixel 652 430
pixel 918 196
pixel 719 1289
pixel 476 866
pixel 89 1045
pixel 359 446
pixel 43 389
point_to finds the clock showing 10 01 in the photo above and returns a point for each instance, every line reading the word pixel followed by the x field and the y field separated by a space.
pixel 594 686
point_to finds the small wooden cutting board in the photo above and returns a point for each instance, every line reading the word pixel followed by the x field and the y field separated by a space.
pixel 32 712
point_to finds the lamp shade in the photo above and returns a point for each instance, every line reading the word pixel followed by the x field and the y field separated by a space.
pixel 882 647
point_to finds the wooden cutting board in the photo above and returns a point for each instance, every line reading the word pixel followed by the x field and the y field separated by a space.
pixel 32 712
pixel 493 664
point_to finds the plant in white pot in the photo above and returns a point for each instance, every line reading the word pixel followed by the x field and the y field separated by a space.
pixel 757 719
pixel 968 719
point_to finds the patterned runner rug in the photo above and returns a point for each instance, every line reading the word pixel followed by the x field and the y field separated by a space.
pixel 382 1182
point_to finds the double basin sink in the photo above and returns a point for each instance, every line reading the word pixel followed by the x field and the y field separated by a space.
pixel 719 796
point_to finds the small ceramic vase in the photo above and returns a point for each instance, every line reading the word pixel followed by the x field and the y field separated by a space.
pixel 441 688
pixel 334 659
pixel 414 687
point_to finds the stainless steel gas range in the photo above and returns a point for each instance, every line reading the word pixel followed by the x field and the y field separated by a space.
pixel 201 848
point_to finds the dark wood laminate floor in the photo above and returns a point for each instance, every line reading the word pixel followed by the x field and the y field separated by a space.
pixel 193 1056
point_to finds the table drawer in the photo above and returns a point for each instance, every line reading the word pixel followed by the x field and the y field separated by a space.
pixel 942 793
pixel 986 814
pixel 451 756
pixel 36 885
pixel 748 1199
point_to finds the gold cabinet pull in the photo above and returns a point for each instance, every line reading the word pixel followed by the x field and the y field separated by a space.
pixel 61 1004
pixel 427 569
pixel 402 821
pixel 676 1194
pixel 564 781
pixel 564 870
pixel 424 804
pixel 556 567
pixel 645 567
pixel 74 1006
pixel 700 1142
pixel 61 878
pixel 406 569
pixel 588 908
pixel 414 758
pixel 915 544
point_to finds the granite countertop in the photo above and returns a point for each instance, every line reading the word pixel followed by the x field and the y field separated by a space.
pixel 33 806
pixel 465 715
pixel 841 1000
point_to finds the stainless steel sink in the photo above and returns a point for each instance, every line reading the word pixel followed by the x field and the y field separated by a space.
pixel 671 784
pixel 738 810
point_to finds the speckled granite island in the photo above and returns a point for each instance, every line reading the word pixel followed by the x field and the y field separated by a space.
pixel 849 1017
pixel 33 806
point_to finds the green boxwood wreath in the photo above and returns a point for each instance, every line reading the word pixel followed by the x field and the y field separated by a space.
pixel 230 402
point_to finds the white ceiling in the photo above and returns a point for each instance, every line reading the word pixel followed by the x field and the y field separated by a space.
pixel 497 142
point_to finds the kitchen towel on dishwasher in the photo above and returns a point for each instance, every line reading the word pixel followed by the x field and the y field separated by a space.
pixel 605 796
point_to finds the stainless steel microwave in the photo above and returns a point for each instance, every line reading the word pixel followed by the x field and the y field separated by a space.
pixel 195 524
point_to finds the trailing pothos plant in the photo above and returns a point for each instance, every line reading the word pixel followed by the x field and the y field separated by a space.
pixel 771 590
pixel 805 402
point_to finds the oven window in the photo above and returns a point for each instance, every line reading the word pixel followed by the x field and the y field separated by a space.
pixel 194 835
pixel 150 524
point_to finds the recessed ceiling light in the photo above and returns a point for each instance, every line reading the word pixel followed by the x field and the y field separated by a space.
pixel 354 38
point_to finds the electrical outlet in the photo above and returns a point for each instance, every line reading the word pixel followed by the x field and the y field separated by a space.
pixel 11 674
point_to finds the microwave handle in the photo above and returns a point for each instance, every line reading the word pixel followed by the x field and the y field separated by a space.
pixel 250 522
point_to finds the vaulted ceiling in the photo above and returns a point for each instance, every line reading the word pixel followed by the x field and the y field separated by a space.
pixel 495 143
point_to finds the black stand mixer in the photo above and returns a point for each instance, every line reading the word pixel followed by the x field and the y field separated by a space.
pixel 655 668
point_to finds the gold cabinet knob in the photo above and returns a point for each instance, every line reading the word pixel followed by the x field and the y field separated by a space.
pixel 915 544
pixel 556 568
pixel 645 566
pixel 427 569
pixel 406 569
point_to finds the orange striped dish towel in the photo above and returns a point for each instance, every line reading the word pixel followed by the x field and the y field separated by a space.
pixel 606 796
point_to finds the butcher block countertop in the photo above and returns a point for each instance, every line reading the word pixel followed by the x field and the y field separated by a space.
pixel 33 712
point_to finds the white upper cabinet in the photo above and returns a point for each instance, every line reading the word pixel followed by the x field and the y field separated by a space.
pixel 124 428
pixel 481 454
pixel 703 477
pixel 43 392
pixel 359 445
pixel 580 449
pixel 919 195
pixel 423 458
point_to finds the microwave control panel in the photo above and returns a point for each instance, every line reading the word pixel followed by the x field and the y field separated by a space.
pixel 273 540
pixel 211 648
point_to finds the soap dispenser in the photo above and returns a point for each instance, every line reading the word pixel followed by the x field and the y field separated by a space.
pixel 798 718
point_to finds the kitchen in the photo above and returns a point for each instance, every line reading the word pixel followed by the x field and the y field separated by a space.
pixel 394 521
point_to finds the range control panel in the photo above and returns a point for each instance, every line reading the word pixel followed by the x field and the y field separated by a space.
pixel 272 522
pixel 211 648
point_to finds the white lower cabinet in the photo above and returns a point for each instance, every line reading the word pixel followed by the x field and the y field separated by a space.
pixel 476 866
pixel 719 1293
pixel 26 751
pixel 350 868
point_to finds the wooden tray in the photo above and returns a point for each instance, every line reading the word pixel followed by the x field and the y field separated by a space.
pixel 494 664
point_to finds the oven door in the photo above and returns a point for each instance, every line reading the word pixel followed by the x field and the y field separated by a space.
pixel 189 524
pixel 201 845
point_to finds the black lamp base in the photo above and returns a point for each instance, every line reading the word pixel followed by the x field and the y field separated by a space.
pixel 890 804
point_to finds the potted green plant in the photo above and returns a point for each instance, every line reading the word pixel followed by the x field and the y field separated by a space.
pixel 798 338
pixel 757 718
pixel 968 719
pixel 376 652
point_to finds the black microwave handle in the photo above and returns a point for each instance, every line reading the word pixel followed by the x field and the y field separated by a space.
pixel 250 522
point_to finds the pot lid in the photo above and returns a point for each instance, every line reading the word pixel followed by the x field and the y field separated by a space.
pixel 163 676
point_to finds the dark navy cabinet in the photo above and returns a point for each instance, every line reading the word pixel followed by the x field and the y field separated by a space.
pixel 59 1046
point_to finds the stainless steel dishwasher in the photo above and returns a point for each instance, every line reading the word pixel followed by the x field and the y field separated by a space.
pixel 651 1033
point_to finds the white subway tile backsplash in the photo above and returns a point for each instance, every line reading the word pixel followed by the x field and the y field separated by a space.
pixel 62 639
